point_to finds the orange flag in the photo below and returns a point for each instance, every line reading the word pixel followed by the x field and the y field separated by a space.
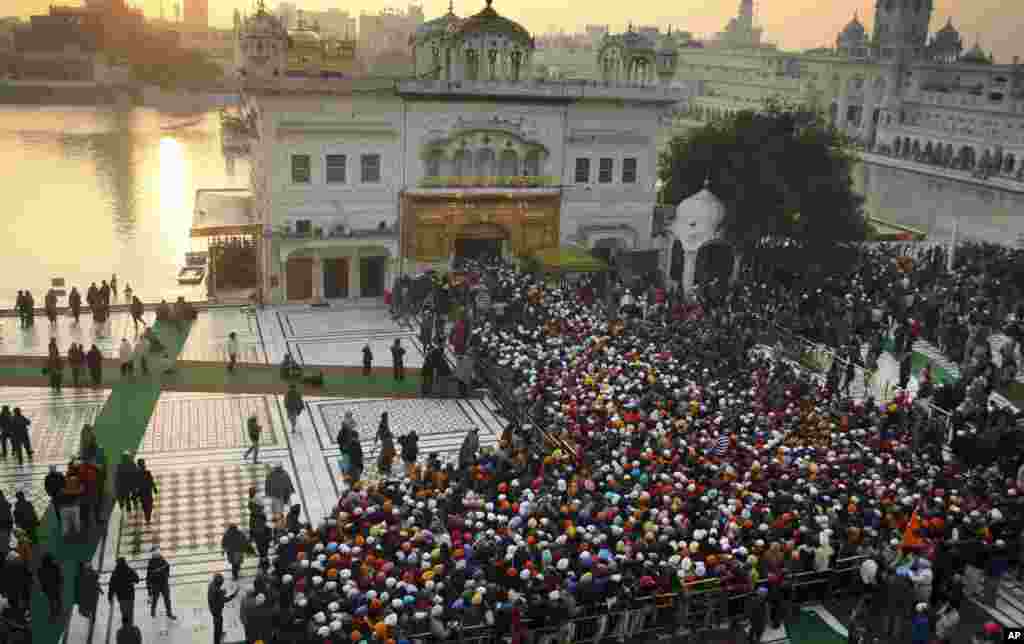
pixel 911 538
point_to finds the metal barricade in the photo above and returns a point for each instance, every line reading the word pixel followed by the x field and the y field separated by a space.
pixel 846 576
pixel 476 635
pixel 588 630
pixel 809 586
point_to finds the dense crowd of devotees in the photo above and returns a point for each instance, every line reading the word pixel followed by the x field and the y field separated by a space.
pixel 675 452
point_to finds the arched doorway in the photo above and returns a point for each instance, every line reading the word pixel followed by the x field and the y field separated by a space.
pixel 714 262
pixel 480 241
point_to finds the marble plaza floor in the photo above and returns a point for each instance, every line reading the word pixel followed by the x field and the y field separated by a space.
pixel 34 340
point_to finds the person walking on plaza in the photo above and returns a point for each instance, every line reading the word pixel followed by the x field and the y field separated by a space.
pixel 75 304
pixel 139 352
pixel 232 350
pixel 398 359
pixel 87 589
pixel 253 429
pixel 6 430
pixel 279 488
pixel 76 360
pixel 235 545
pixel 126 353
pixel 50 305
pixel 367 359
pixel 467 454
pixel 386 439
pixel 113 287
pixel 126 478
pixel 51 582
pixel 158 583
pixel 30 309
pixel 21 438
pixel 122 588
pixel 94 360
pixel 128 293
pixel 293 405
pixel 146 490
pixel 354 449
pixel 216 599
pixel 55 367
pixel 137 309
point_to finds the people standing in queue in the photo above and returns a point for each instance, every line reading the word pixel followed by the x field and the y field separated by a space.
pixel 158 582
pixel 126 482
pixel 216 599
pixel 122 588
pixel 146 491
pixel 21 437
pixel 386 456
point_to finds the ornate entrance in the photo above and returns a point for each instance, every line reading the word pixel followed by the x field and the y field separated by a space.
pixel 479 241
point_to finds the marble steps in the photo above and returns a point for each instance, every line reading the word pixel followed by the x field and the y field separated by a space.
pixel 1009 607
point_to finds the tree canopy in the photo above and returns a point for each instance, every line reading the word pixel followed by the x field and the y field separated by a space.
pixel 780 172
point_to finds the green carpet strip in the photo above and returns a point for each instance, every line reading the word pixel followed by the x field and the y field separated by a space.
pixel 806 627
pixel 119 427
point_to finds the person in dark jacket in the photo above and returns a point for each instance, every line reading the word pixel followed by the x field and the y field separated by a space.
pixel 234 544
pixel 6 430
pixel 16 584
pixel 6 525
pixel 75 303
pixel 122 588
pixel 367 359
pixel 410 450
pixel 158 583
pixel 87 589
pixel 25 516
pixel 21 437
pixel 51 582
pixel 94 361
pixel 126 482
pixel 54 485
pixel 76 360
pixel 293 405
pixel 757 611
pixel 146 490
pixel 398 359
pixel 216 598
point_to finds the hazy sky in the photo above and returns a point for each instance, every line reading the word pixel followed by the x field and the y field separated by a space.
pixel 793 24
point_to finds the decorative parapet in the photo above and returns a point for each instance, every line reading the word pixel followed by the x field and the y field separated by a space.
pixel 488 182
pixel 565 90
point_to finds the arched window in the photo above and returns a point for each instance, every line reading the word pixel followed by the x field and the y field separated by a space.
pixel 531 164
pixel 485 162
pixel 509 166
pixel 462 165
pixel 434 161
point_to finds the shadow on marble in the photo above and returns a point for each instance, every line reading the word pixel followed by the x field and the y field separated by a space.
pixel 34 341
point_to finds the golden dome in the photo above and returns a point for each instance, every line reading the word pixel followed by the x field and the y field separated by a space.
pixel 490 22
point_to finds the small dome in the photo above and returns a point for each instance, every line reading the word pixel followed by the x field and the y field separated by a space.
pixel 448 23
pixel 490 22
pixel 263 24
pixel 698 217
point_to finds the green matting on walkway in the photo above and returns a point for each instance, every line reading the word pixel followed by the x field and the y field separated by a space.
pixel 939 375
pixel 119 427
pixel 807 628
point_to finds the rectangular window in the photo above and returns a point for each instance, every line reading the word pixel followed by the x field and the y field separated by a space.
pixel 335 168
pixel 604 170
pixel 303 226
pixel 301 168
pixel 629 170
pixel 370 168
pixel 582 170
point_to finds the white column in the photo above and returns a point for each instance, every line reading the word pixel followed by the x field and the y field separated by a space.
pixel 689 271
pixel 318 279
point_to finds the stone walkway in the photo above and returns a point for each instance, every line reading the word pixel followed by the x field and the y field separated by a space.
pixel 194 444
pixel 34 341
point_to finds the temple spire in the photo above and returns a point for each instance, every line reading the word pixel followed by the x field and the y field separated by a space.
pixel 451 7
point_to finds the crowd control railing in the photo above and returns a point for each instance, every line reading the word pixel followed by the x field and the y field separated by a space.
pixel 701 608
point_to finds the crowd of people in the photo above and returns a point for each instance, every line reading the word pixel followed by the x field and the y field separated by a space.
pixel 677 452
pixel 656 446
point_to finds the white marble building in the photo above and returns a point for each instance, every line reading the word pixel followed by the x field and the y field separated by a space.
pixel 359 180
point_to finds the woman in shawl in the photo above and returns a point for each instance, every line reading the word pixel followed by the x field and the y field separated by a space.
pixel 87 589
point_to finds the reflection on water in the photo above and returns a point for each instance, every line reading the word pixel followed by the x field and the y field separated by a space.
pixel 933 204
pixel 90 192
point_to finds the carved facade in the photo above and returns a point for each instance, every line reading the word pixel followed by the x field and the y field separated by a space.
pixel 433 223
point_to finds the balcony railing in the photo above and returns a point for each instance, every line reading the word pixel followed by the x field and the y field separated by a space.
pixel 489 182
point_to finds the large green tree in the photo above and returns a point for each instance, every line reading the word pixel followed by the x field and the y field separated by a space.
pixel 780 172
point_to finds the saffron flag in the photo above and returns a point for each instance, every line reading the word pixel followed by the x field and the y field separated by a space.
pixel 911 538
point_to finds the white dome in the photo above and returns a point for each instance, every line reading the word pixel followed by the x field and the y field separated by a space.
pixel 697 218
